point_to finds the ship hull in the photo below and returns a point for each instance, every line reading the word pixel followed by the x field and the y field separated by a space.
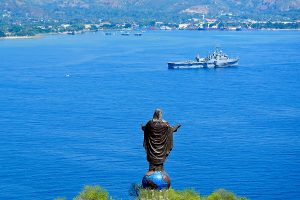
pixel 228 64
pixel 185 65
pixel 197 65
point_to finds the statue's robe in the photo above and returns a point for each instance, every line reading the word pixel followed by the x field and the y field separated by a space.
pixel 158 141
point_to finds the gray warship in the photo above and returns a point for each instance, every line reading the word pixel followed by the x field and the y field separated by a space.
pixel 213 60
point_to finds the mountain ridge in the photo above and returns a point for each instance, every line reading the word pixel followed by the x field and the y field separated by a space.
pixel 159 9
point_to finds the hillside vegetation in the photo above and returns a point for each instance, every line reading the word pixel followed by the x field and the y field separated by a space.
pixel 98 193
pixel 147 9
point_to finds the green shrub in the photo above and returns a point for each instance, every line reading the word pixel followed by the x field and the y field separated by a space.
pixel 222 194
pixel 168 195
pixel 92 193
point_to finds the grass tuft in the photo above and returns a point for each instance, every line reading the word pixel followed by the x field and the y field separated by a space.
pixel 170 194
pixel 92 193
pixel 222 194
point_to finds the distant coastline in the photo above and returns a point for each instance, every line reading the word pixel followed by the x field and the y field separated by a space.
pixel 19 37
pixel 40 35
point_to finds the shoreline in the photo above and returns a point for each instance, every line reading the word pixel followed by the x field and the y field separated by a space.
pixel 46 34
pixel 21 37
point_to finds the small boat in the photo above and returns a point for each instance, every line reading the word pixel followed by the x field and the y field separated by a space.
pixel 213 60
pixel 108 33
pixel 138 34
pixel 125 33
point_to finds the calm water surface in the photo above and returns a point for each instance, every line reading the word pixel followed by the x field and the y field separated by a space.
pixel 71 109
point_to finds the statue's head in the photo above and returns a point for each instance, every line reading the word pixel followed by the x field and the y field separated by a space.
pixel 157 116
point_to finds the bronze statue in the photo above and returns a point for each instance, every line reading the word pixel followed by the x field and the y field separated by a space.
pixel 158 140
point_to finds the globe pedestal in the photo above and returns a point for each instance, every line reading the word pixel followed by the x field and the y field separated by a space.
pixel 156 180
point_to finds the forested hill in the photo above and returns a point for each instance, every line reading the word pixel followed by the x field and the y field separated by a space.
pixel 171 10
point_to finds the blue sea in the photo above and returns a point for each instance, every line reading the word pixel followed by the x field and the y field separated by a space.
pixel 71 109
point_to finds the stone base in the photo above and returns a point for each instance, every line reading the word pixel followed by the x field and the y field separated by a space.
pixel 156 180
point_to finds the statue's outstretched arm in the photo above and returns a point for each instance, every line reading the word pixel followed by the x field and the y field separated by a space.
pixel 174 128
